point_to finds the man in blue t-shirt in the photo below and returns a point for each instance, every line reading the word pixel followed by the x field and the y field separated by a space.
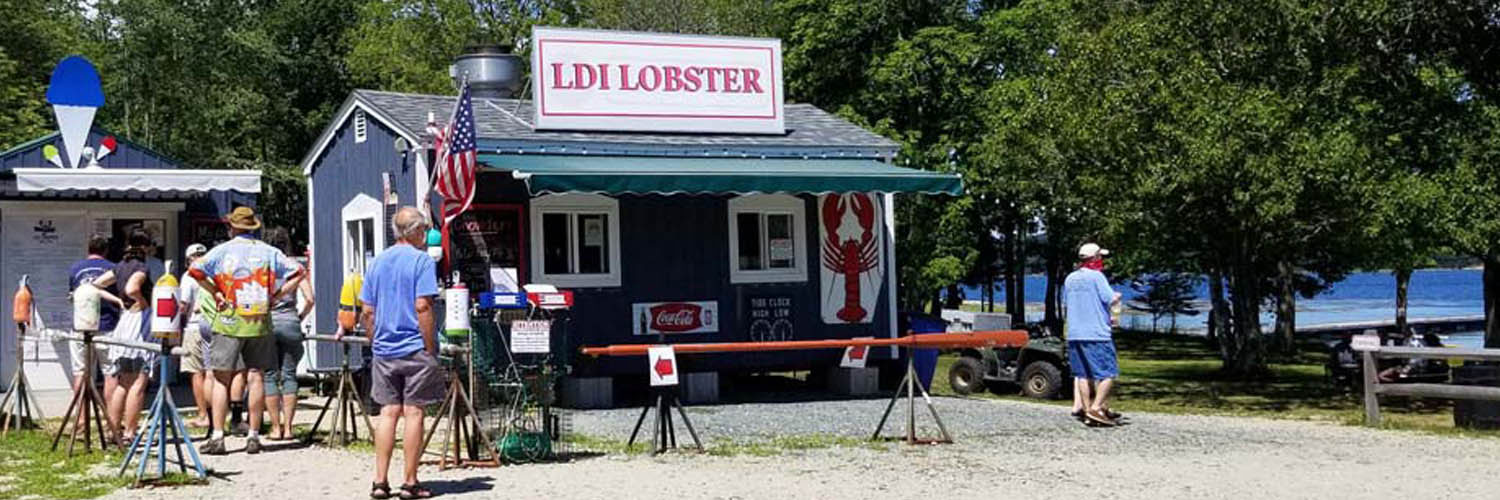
pixel 399 320
pixel 1088 299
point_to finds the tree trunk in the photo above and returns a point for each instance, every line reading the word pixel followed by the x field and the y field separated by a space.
pixel 1403 280
pixel 1019 263
pixel 1218 307
pixel 1244 347
pixel 1492 301
pixel 1052 310
pixel 1012 303
pixel 936 309
pixel 1286 307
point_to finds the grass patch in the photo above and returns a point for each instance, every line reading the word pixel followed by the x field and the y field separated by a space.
pixel 1179 374
pixel 31 469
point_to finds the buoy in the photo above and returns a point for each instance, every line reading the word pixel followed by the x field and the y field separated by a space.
pixel 349 304
pixel 21 306
pixel 456 317
pixel 435 245
pixel 86 307
pixel 166 322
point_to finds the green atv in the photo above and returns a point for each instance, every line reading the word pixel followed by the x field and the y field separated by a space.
pixel 1039 368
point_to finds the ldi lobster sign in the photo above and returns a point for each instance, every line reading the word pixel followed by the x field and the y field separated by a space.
pixel 852 261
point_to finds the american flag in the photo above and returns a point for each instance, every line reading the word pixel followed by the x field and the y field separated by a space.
pixel 456 162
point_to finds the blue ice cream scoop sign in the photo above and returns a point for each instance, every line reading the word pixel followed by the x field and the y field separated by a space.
pixel 75 95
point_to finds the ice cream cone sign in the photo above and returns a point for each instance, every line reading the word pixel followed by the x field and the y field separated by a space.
pixel 106 146
pixel 75 95
pixel 51 153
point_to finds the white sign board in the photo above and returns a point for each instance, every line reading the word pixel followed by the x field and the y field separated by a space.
pixel 651 318
pixel 651 82
pixel 853 256
pixel 855 356
pixel 1365 342
pixel 661 364
pixel 531 336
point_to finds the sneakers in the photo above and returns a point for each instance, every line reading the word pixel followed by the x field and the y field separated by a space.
pixel 212 447
pixel 252 445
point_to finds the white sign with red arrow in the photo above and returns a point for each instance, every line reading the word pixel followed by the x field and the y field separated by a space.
pixel 661 364
pixel 855 356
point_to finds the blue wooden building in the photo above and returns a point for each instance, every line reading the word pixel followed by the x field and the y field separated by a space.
pixel 653 232
pixel 47 214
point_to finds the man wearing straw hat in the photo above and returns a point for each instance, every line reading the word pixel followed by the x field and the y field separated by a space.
pixel 244 276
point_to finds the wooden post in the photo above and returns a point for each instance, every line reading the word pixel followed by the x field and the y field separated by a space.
pixel 1372 401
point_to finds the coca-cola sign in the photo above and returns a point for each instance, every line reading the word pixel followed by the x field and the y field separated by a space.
pixel 674 317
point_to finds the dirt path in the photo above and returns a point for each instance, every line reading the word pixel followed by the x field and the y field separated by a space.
pixel 1009 449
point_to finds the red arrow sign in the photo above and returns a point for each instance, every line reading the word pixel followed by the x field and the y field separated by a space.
pixel 663 367
pixel 857 352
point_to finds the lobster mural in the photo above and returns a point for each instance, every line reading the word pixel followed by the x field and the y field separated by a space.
pixel 849 252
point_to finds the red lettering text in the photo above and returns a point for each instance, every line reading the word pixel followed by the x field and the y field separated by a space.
pixel 752 81
pixel 557 77
pixel 672 76
pixel 731 79
pixel 651 73
pixel 603 77
pixel 584 76
pixel 691 80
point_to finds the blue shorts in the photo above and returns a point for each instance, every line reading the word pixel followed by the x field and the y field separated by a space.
pixel 1093 359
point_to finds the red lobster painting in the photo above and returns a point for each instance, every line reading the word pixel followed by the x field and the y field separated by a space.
pixel 850 257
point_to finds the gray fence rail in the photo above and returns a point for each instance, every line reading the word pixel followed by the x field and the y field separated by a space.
pixel 1374 389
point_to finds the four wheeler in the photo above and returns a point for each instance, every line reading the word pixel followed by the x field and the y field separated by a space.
pixel 1039 368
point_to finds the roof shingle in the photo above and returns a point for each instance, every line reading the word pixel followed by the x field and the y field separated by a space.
pixel 509 120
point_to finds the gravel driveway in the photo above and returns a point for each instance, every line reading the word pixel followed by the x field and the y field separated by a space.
pixel 1005 449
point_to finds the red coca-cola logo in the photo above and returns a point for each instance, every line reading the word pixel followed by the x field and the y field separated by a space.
pixel 676 317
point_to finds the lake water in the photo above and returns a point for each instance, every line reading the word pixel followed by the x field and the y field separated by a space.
pixel 1366 296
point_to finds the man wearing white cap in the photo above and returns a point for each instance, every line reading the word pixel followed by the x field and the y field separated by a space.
pixel 1088 298
pixel 192 337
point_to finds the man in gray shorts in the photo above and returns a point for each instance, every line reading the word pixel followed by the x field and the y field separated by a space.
pixel 399 319
pixel 244 276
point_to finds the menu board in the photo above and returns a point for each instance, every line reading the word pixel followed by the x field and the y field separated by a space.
pixel 485 239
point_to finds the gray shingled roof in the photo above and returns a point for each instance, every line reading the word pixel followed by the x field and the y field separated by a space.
pixel 808 127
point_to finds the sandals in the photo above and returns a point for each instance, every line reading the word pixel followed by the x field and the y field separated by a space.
pixel 414 491
pixel 380 491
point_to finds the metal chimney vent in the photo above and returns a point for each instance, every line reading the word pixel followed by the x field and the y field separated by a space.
pixel 492 71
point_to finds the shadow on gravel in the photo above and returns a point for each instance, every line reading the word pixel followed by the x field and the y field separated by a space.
pixel 780 387
pixel 468 485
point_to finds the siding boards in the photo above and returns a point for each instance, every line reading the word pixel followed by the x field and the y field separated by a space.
pixel 676 248
pixel 129 155
pixel 345 170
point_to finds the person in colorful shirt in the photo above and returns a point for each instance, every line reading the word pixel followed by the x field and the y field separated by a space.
pixel 244 276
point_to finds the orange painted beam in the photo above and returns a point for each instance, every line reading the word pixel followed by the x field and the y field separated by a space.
pixel 998 338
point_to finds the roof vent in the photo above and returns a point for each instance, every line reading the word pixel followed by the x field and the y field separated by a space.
pixel 359 125
pixel 492 70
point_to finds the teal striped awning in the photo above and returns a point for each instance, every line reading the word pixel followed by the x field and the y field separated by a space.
pixel 688 175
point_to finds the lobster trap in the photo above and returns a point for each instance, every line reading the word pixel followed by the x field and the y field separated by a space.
pixel 515 387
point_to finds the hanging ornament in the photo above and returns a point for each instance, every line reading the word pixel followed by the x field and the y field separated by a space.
pixel 52 155
pixel 106 146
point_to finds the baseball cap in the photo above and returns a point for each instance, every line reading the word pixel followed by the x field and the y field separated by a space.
pixel 1091 250
pixel 196 249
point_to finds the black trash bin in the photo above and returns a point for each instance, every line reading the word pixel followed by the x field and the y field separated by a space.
pixel 1470 414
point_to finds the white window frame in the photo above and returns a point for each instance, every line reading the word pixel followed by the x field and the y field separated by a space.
pixel 769 204
pixel 361 207
pixel 574 204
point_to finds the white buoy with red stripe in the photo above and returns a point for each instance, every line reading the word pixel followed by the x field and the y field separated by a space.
pixel 166 322
pixel 456 319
